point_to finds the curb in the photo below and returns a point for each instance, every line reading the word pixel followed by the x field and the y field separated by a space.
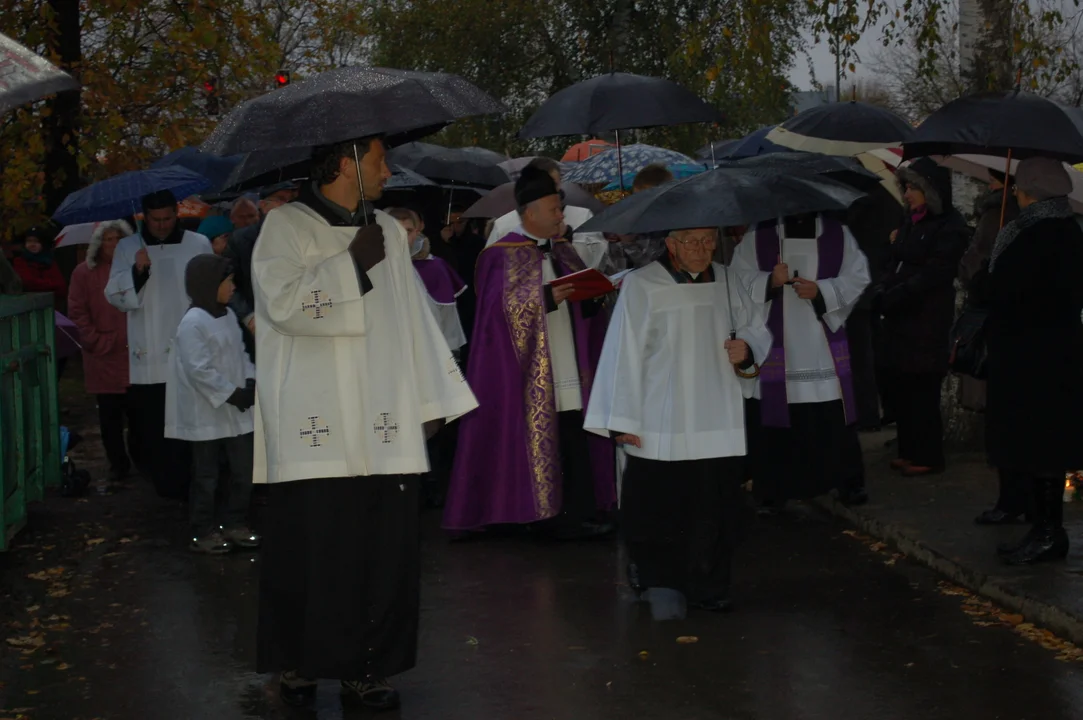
pixel 1039 612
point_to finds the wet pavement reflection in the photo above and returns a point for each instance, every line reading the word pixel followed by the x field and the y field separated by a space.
pixel 134 627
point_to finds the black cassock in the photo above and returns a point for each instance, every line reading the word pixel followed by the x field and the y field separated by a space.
pixel 682 520
pixel 339 592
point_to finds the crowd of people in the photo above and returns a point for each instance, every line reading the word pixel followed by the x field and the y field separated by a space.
pixel 362 367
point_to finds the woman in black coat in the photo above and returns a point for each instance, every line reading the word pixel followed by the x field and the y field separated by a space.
pixel 917 300
pixel 1034 426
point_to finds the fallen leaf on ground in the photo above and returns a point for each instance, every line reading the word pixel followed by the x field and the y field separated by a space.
pixel 33 608
pixel 471 640
pixel 1012 619
pixel 95 541
pixel 892 561
pixel 984 623
pixel 909 665
pixel 877 547
pixel 26 641
pixel 851 533
pixel 643 654
pixel 58 591
pixel 63 666
pixel 687 639
pixel 47 574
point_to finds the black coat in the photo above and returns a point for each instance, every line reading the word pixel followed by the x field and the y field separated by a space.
pixel 1034 419
pixel 239 251
pixel 917 294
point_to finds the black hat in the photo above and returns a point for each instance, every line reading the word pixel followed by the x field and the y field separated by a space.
pixel 159 200
pixel 534 184
pixel 270 190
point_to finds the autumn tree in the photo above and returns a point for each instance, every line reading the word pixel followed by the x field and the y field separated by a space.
pixel 143 67
pixel 734 54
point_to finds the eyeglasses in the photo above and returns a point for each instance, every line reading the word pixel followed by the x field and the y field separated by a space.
pixel 706 243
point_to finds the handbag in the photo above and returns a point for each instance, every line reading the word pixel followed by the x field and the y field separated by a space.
pixel 969 349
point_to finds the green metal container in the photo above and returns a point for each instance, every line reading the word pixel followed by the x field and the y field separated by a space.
pixel 29 418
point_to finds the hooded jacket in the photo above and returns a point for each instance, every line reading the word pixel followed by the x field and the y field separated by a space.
pixel 207 361
pixel 917 294
pixel 40 273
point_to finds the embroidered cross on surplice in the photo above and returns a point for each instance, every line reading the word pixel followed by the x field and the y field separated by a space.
pixel 386 427
pixel 316 429
pixel 315 304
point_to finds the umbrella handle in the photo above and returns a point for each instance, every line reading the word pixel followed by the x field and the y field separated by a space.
pixel 360 184
pixel 1004 196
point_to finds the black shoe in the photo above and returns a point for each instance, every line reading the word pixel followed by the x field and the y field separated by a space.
pixel 296 691
pixel 633 579
pixel 996 516
pixel 583 531
pixel 374 694
pixel 854 497
pixel 716 605
pixel 1010 547
pixel 1045 545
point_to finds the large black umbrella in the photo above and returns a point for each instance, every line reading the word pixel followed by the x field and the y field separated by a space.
pixel 843 169
pixel 348 103
pixel 844 128
pixel 725 197
pixel 267 167
pixel 501 201
pixel 460 166
pixel 617 101
pixel 1018 123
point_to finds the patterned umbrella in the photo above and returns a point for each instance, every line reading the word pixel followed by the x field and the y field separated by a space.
pixel 25 77
pixel 606 168
pixel 121 196
pixel 679 170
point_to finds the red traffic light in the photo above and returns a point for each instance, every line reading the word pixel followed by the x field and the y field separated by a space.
pixel 282 78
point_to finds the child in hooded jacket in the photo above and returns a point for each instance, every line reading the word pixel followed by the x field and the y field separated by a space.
pixel 210 388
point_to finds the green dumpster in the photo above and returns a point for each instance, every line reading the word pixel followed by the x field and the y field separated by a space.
pixel 29 422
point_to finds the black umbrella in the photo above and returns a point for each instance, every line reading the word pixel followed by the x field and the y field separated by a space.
pixel 347 103
pixel 617 101
pixel 266 167
pixel 840 128
pixel 725 197
pixel 716 150
pixel 843 169
pixel 501 201
pixel 485 154
pixel 1018 123
pixel 459 166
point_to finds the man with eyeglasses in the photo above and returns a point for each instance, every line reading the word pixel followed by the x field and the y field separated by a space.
pixel 678 362
pixel 808 272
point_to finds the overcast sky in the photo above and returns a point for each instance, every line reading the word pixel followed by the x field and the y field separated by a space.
pixel 824 61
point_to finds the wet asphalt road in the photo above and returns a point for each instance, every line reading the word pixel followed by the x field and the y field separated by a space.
pixel 136 628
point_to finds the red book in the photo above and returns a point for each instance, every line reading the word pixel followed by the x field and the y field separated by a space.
pixel 589 284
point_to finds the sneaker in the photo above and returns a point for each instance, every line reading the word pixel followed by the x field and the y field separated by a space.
pixel 211 544
pixel 242 537
pixel 295 690
pixel 373 694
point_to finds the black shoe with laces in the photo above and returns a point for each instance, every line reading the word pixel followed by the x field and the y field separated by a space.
pixel 296 691
pixel 373 694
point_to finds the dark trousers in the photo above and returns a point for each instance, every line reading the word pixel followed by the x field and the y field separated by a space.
pixel 113 408
pixel 578 504
pixel 863 367
pixel 1013 493
pixel 921 426
pixel 203 511
pixel 167 463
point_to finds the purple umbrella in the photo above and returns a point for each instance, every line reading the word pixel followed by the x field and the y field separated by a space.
pixel 67 337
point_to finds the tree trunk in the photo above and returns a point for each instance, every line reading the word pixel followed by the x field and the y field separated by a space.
pixel 62 124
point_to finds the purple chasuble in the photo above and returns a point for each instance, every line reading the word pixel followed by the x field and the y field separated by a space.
pixel 775 408
pixel 441 280
pixel 507 466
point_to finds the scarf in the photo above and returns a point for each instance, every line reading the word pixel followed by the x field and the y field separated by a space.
pixel 40 258
pixel 332 212
pixel 1053 208
pixel 918 214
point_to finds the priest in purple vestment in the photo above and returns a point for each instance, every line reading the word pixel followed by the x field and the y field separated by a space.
pixel 523 455
pixel 803 442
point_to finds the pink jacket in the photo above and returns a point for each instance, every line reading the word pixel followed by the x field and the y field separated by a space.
pixel 103 330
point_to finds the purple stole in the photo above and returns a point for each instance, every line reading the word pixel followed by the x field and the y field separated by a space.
pixel 774 404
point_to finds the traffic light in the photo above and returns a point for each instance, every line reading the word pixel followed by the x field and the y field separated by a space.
pixel 282 78
pixel 210 92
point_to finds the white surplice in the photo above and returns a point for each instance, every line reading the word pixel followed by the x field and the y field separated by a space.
pixel 207 364
pixel 345 381
pixel 665 375
pixel 591 247
pixel 810 368
pixel 446 314
pixel 155 311
pixel 566 383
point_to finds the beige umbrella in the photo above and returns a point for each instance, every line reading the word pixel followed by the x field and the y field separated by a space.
pixel 978 166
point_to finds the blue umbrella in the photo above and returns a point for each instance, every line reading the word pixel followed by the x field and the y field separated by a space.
pixel 603 168
pixel 751 145
pixel 403 178
pixel 121 196
pixel 214 168
pixel 679 170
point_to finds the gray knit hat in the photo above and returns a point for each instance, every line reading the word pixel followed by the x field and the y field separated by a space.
pixel 1043 178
